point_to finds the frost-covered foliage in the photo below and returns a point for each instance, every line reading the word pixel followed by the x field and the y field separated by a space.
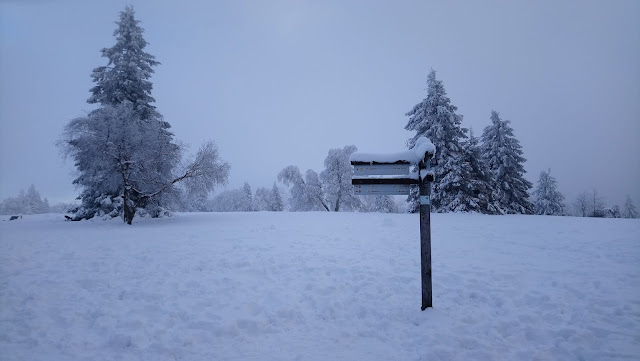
pixel 126 163
pixel 125 156
pixel 590 205
pixel 25 203
pixel 502 152
pixel 474 192
pixel 547 199
pixel 413 200
pixel 581 204
pixel 336 180
pixel 277 204
pixel 596 205
pixel 380 204
pixel 247 201
pixel 331 191
pixel 205 172
pixel 629 210
pixel 436 119
pixel 306 194
pixel 229 201
pixel 613 211
pixel 268 199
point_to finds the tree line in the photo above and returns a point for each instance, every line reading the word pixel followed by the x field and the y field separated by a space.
pixel 128 162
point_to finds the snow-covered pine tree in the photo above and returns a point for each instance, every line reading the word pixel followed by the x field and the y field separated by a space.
pixel 276 199
pixel 629 209
pixel 413 200
pixel 336 179
pixel 124 153
pixel 248 198
pixel 502 152
pixel 262 199
pixel 382 204
pixel 127 73
pixel 547 199
pixel 436 118
pixel 475 188
pixel 25 203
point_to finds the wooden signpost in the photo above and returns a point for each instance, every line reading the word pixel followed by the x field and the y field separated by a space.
pixel 375 177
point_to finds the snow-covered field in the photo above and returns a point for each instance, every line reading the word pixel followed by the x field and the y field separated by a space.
pixel 319 286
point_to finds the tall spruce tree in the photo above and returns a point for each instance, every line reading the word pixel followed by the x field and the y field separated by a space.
pixel 128 71
pixel 629 209
pixel 436 118
pixel 476 186
pixel 547 199
pixel 278 204
pixel 125 156
pixel 502 152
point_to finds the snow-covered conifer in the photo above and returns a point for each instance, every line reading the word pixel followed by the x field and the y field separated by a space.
pixel 248 198
pixel 336 179
pixel 474 191
pixel 25 203
pixel 276 199
pixel 262 199
pixel 436 118
pixel 125 156
pixel 126 77
pixel 413 200
pixel 502 152
pixel 629 209
pixel 547 199
pixel 381 204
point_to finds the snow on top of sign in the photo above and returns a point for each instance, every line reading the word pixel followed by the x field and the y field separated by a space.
pixel 425 172
pixel 412 175
pixel 413 155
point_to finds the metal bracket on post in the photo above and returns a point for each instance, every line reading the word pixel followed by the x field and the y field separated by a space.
pixel 425 231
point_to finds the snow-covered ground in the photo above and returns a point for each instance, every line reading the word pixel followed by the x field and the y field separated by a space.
pixel 319 286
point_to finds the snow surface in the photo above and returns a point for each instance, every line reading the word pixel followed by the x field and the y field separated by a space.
pixel 319 286
pixel 413 155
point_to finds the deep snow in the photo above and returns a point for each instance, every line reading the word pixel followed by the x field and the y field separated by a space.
pixel 319 286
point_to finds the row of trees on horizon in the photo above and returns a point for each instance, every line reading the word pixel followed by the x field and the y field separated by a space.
pixel 129 164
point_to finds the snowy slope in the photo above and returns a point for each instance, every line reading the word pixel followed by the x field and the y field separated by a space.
pixel 319 286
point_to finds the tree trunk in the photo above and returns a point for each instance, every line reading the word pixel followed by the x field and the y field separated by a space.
pixel 129 207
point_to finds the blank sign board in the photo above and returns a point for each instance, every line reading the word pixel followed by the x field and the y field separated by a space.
pixel 381 189
pixel 381 169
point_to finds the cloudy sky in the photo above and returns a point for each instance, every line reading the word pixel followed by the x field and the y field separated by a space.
pixel 281 82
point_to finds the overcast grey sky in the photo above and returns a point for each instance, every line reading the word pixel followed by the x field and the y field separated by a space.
pixel 281 82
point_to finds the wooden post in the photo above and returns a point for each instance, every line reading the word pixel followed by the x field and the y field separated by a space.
pixel 425 239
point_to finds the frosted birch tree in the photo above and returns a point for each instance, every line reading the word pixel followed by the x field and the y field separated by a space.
pixel 306 194
pixel 336 179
